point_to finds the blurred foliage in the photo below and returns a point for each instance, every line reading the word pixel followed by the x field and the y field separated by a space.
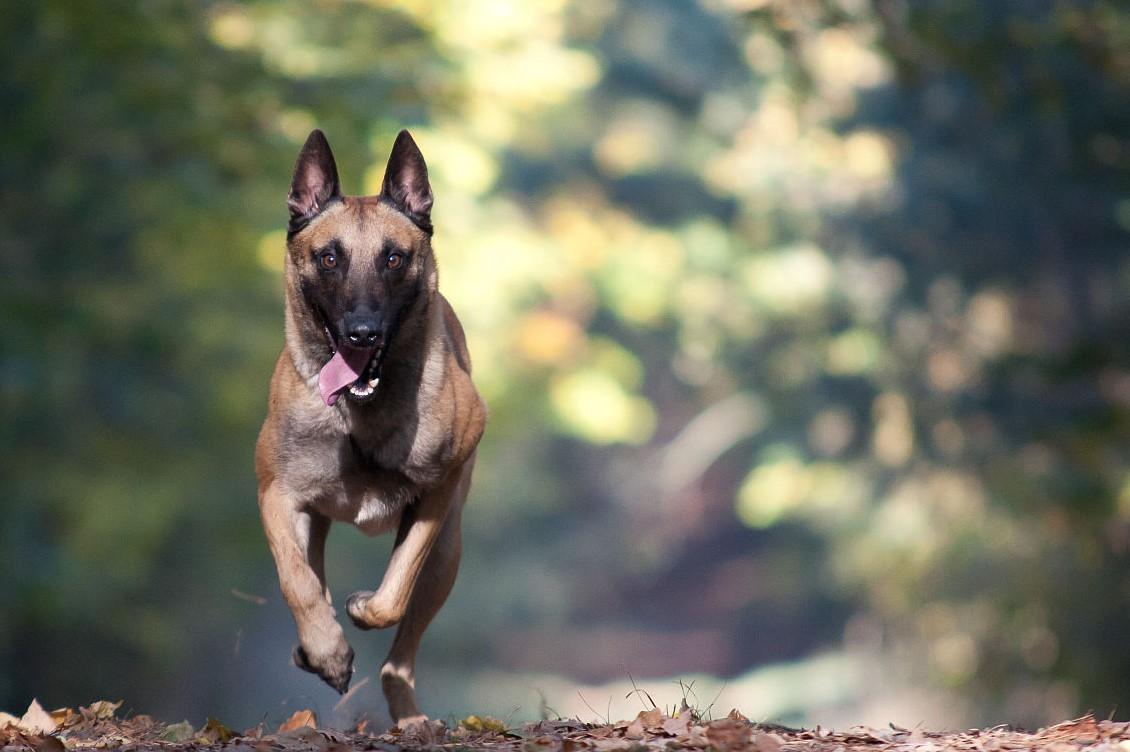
pixel 802 325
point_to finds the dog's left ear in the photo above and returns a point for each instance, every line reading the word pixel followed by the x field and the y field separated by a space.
pixel 406 182
pixel 315 181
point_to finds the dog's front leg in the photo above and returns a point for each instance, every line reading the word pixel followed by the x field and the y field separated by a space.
pixel 297 538
pixel 420 526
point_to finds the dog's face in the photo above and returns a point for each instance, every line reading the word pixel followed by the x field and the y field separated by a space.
pixel 357 265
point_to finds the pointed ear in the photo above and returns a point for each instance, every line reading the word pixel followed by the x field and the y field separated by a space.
pixel 315 182
pixel 406 182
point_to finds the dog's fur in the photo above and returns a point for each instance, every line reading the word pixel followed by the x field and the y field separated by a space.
pixel 399 458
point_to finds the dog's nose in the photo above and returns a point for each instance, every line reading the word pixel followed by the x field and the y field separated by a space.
pixel 361 330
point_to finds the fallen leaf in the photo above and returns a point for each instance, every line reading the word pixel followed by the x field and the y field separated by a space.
pixel 64 717
pixel 728 734
pixel 178 732
pixel 112 741
pixel 647 720
pixel 767 742
pixel 652 719
pixel 554 727
pixel 301 738
pixel 214 731
pixel 37 720
pixel 696 737
pixel 601 732
pixel 461 732
pixel 50 744
pixel 679 725
pixel 103 710
pixel 300 719
pixel 141 726
pixel 423 733
pixel 1060 747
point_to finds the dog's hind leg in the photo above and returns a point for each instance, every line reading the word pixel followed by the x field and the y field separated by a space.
pixel 398 674
pixel 421 573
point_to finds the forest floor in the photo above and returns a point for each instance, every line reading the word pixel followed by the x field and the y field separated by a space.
pixel 98 728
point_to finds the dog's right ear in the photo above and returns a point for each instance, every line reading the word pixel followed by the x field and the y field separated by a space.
pixel 315 182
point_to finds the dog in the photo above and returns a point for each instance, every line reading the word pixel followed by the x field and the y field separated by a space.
pixel 372 419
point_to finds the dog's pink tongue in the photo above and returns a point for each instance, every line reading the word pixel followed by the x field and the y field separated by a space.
pixel 344 368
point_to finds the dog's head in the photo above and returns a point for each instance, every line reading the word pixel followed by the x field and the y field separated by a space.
pixel 357 267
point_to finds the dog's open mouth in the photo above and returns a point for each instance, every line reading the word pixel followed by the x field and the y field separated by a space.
pixel 352 370
pixel 367 382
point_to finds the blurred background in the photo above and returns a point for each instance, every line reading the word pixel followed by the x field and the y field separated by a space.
pixel 803 327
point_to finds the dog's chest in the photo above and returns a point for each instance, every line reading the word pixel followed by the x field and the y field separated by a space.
pixel 372 493
pixel 362 467
pixel 348 480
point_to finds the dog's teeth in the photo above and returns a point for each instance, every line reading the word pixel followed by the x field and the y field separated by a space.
pixel 373 382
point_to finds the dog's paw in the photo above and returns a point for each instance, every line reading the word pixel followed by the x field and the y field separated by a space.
pixel 355 607
pixel 335 669
pixel 366 611
pixel 422 726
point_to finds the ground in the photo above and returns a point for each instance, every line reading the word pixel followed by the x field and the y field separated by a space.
pixel 97 727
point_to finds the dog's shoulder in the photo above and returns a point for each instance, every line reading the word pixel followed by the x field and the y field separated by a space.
pixel 469 413
pixel 456 339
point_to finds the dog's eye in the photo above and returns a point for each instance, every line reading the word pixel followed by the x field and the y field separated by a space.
pixel 327 259
pixel 395 260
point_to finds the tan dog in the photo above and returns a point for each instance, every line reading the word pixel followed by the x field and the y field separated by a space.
pixel 373 419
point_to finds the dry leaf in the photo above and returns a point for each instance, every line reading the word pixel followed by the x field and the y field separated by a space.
pixel 727 734
pixel 1060 747
pixel 423 733
pixel 178 732
pixel 301 738
pixel 65 717
pixel 696 737
pixel 300 719
pixel 37 720
pixel 214 731
pixel 678 726
pixel 50 744
pixel 647 720
pixel 652 719
pixel 103 710
pixel 767 742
